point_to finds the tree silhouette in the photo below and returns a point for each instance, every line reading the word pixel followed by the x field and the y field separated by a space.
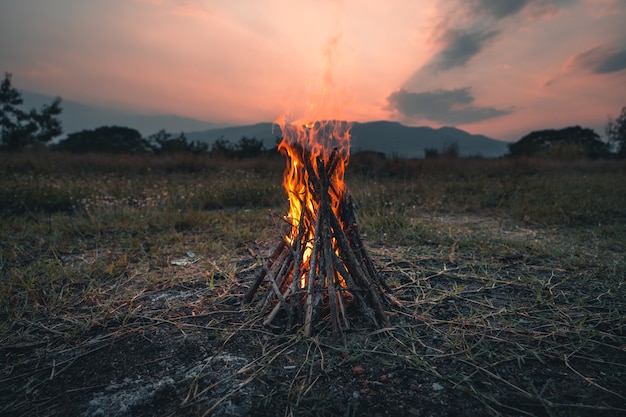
pixel 20 129
pixel 163 142
pixel 249 147
pixel 245 148
pixel 571 141
pixel 108 139
pixel 616 132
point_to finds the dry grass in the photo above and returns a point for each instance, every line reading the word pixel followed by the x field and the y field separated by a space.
pixel 509 276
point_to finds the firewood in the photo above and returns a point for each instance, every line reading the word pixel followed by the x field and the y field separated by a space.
pixel 338 270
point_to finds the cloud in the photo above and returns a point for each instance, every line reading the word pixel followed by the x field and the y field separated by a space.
pixel 600 8
pixel 499 9
pixel 442 106
pixel 469 26
pixel 612 63
pixel 600 60
pixel 461 46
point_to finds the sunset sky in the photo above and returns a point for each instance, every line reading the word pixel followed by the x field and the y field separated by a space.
pixel 499 68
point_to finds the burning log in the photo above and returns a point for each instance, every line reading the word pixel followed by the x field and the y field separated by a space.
pixel 321 265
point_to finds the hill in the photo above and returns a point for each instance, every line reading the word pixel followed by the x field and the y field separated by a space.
pixel 390 138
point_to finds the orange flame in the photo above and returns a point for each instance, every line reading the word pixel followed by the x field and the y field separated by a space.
pixel 303 143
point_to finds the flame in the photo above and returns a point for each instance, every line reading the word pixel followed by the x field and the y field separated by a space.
pixel 304 143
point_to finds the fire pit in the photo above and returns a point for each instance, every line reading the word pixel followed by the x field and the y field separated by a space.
pixel 321 266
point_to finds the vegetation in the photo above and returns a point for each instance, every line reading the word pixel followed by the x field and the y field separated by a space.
pixel 20 129
pixel 163 143
pixel 571 142
pixel 616 132
pixel 108 139
pixel 246 148
pixel 449 150
pixel 120 275
pixel 122 262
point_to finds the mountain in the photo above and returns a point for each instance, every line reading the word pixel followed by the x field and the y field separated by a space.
pixel 267 132
pixel 78 116
pixel 390 138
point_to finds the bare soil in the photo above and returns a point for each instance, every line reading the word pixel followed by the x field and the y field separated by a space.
pixel 180 364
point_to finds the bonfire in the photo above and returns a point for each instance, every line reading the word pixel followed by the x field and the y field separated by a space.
pixel 321 266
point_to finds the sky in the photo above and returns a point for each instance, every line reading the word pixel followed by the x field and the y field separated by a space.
pixel 501 68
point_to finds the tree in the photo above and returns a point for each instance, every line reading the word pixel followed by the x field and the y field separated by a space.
pixel 450 150
pixel 431 153
pixel 573 141
pixel 20 129
pixel 616 132
pixel 108 139
pixel 163 142
pixel 223 148
pixel 245 148
pixel 249 147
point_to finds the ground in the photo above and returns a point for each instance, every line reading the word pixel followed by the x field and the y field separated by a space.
pixel 517 330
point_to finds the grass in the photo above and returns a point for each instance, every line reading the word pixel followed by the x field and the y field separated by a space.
pixel 509 276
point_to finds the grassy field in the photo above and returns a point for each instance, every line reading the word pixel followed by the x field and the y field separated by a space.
pixel 119 281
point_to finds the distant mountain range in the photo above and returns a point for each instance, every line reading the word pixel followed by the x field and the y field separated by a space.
pixel 390 138
pixel 78 116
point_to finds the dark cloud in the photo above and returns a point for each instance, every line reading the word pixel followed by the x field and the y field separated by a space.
pixel 502 9
pixel 499 9
pixel 461 46
pixel 612 63
pixel 601 60
pixel 442 106
pixel 472 25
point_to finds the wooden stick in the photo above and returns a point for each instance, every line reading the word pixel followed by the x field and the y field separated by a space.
pixel 357 244
pixel 313 180
pixel 299 248
pixel 332 163
pixel 342 309
pixel 327 246
pixel 270 317
pixel 277 280
pixel 280 297
pixel 338 264
pixel 356 291
pixel 280 248
pixel 357 272
pixel 308 316
pixel 277 266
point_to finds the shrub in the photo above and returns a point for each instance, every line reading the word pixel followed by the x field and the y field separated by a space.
pixel 574 141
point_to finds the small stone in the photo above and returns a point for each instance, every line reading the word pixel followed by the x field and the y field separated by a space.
pixel 358 370
pixel 437 387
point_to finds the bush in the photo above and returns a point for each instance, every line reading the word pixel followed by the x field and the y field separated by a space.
pixel 245 148
pixel 107 139
pixel 163 142
pixel 570 142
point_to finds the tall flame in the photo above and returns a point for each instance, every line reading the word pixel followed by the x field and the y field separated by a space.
pixel 304 143
pixel 307 142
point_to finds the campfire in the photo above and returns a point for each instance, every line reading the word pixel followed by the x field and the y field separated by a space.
pixel 320 268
